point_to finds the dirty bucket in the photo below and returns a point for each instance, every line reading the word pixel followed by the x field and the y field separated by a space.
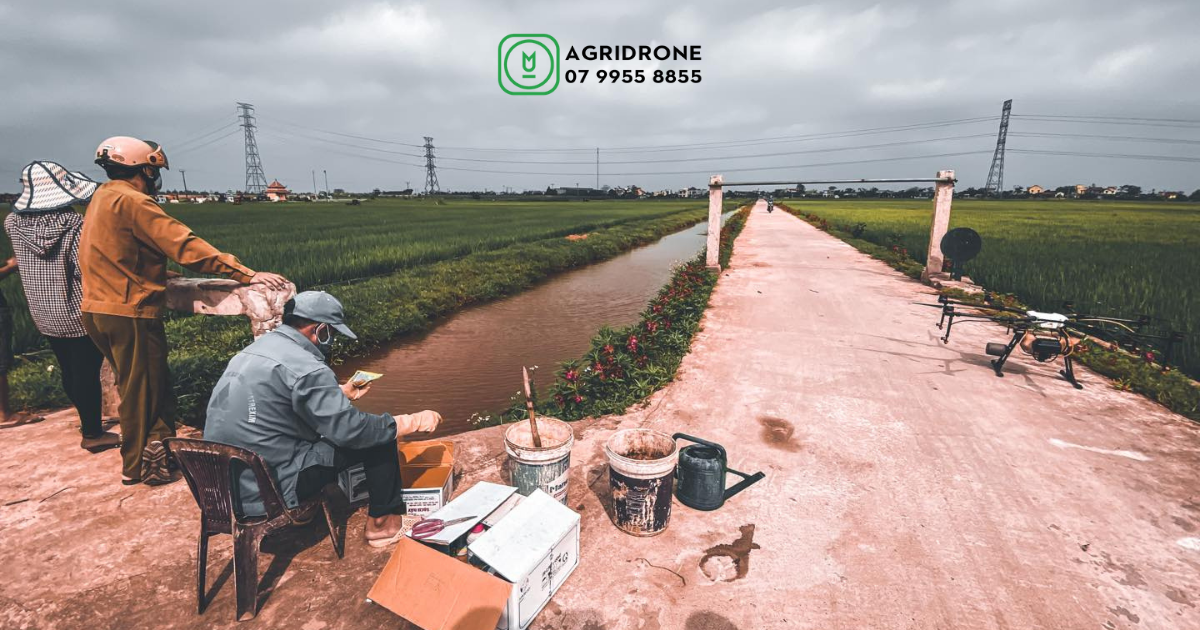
pixel 642 473
pixel 547 467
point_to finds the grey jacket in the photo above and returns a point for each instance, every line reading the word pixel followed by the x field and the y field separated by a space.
pixel 279 399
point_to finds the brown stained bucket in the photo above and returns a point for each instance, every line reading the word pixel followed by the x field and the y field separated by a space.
pixel 642 473
pixel 547 467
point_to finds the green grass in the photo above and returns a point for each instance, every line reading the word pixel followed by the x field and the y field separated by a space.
pixel 1107 257
pixel 398 265
pixel 317 244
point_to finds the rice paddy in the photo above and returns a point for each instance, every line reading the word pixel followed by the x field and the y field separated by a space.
pixel 1111 257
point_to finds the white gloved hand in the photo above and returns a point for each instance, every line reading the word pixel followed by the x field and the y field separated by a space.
pixel 420 422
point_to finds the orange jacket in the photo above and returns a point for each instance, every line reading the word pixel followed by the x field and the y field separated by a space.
pixel 123 252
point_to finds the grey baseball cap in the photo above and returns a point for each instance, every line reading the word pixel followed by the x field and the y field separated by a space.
pixel 319 306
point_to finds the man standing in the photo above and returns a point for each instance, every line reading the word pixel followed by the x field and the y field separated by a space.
pixel 44 229
pixel 280 399
pixel 123 252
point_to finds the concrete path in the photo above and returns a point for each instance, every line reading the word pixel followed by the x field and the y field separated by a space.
pixel 907 487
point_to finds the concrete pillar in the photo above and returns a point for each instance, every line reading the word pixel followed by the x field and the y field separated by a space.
pixel 262 306
pixel 943 196
pixel 715 204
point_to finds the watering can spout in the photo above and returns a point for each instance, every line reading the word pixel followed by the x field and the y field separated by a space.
pixel 746 482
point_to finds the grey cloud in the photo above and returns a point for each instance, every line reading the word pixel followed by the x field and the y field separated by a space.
pixel 75 72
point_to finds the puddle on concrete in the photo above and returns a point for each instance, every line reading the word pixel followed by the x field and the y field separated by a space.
pixel 729 563
pixel 471 362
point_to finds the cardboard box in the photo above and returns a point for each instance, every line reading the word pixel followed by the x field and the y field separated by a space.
pixel 532 550
pixel 426 476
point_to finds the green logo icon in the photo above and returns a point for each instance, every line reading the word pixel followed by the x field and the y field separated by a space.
pixel 528 64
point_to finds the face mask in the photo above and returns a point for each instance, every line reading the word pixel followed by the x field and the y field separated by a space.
pixel 156 181
pixel 325 345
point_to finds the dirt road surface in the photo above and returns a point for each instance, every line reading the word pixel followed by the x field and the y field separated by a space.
pixel 906 487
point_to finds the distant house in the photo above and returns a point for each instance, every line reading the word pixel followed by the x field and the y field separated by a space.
pixel 570 191
pixel 1111 190
pixel 277 191
pixel 1081 189
pixel 1035 190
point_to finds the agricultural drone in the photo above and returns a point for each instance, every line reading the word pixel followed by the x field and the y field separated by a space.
pixel 1047 336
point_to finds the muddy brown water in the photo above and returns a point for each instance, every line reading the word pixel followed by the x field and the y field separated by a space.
pixel 471 361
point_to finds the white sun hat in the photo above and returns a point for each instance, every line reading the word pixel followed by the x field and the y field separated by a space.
pixel 50 186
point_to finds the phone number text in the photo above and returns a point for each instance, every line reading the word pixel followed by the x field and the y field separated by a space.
pixel 633 76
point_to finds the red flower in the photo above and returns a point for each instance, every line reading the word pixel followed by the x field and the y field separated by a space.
pixel 608 349
pixel 632 344
pixel 1148 357
pixel 578 399
pixel 570 376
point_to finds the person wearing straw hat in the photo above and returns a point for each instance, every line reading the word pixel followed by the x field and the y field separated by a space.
pixel 279 398
pixel 124 247
pixel 44 230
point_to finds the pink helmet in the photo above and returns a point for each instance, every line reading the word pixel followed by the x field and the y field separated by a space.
pixel 126 151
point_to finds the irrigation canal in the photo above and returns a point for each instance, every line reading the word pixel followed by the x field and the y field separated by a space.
pixel 471 361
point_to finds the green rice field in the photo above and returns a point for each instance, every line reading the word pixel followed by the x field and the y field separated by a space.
pixel 397 265
pixel 318 244
pixel 1111 257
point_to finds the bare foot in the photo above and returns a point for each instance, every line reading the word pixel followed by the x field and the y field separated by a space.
pixel 104 441
pixel 388 530
pixel 19 418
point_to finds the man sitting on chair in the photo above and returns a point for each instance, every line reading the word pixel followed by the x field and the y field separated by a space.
pixel 279 398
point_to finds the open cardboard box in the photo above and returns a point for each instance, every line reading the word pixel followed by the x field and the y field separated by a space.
pixel 532 549
pixel 426 476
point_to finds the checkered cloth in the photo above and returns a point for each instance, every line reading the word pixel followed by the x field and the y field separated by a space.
pixel 50 186
pixel 47 249
pixel 44 231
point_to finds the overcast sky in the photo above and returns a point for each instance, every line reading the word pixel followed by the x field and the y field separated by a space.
pixel 77 72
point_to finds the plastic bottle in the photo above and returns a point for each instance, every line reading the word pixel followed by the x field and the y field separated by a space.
pixel 474 535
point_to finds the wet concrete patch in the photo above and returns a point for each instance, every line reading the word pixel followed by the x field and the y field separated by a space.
pixel 729 563
pixel 778 433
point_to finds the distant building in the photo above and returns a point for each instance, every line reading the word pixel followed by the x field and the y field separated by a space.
pixel 568 191
pixel 277 191
pixel 1111 190
pixel 1035 189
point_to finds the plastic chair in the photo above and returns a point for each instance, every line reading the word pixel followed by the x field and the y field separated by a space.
pixel 209 470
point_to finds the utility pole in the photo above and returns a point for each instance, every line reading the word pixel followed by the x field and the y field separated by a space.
pixel 995 180
pixel 184 174
pixel 597 168
pixel 314 174
pixel 431 180
pixel 256 181
pixel 326 173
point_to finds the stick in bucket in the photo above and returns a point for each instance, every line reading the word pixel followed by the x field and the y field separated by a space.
pixel 533 429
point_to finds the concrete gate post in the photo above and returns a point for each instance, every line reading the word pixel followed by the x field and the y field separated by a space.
pixel 262 306
pixel 715 204
pixel 943 197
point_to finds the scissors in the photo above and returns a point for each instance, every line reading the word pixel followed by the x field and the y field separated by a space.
pixel 428 527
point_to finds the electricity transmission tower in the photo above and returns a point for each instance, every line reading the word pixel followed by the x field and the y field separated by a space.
pixel 995 180
pixel 431 182
pixel 256 182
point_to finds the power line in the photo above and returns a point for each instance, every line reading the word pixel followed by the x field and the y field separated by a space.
pixel 1104 137
pixel 1134 118
pixel 1123 156
pixel 349 135
pixel 752 141
pixel 1087 121
pixel 205 144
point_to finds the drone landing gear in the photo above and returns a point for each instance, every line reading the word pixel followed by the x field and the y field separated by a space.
pixel 1069 372
pixel 1003 352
